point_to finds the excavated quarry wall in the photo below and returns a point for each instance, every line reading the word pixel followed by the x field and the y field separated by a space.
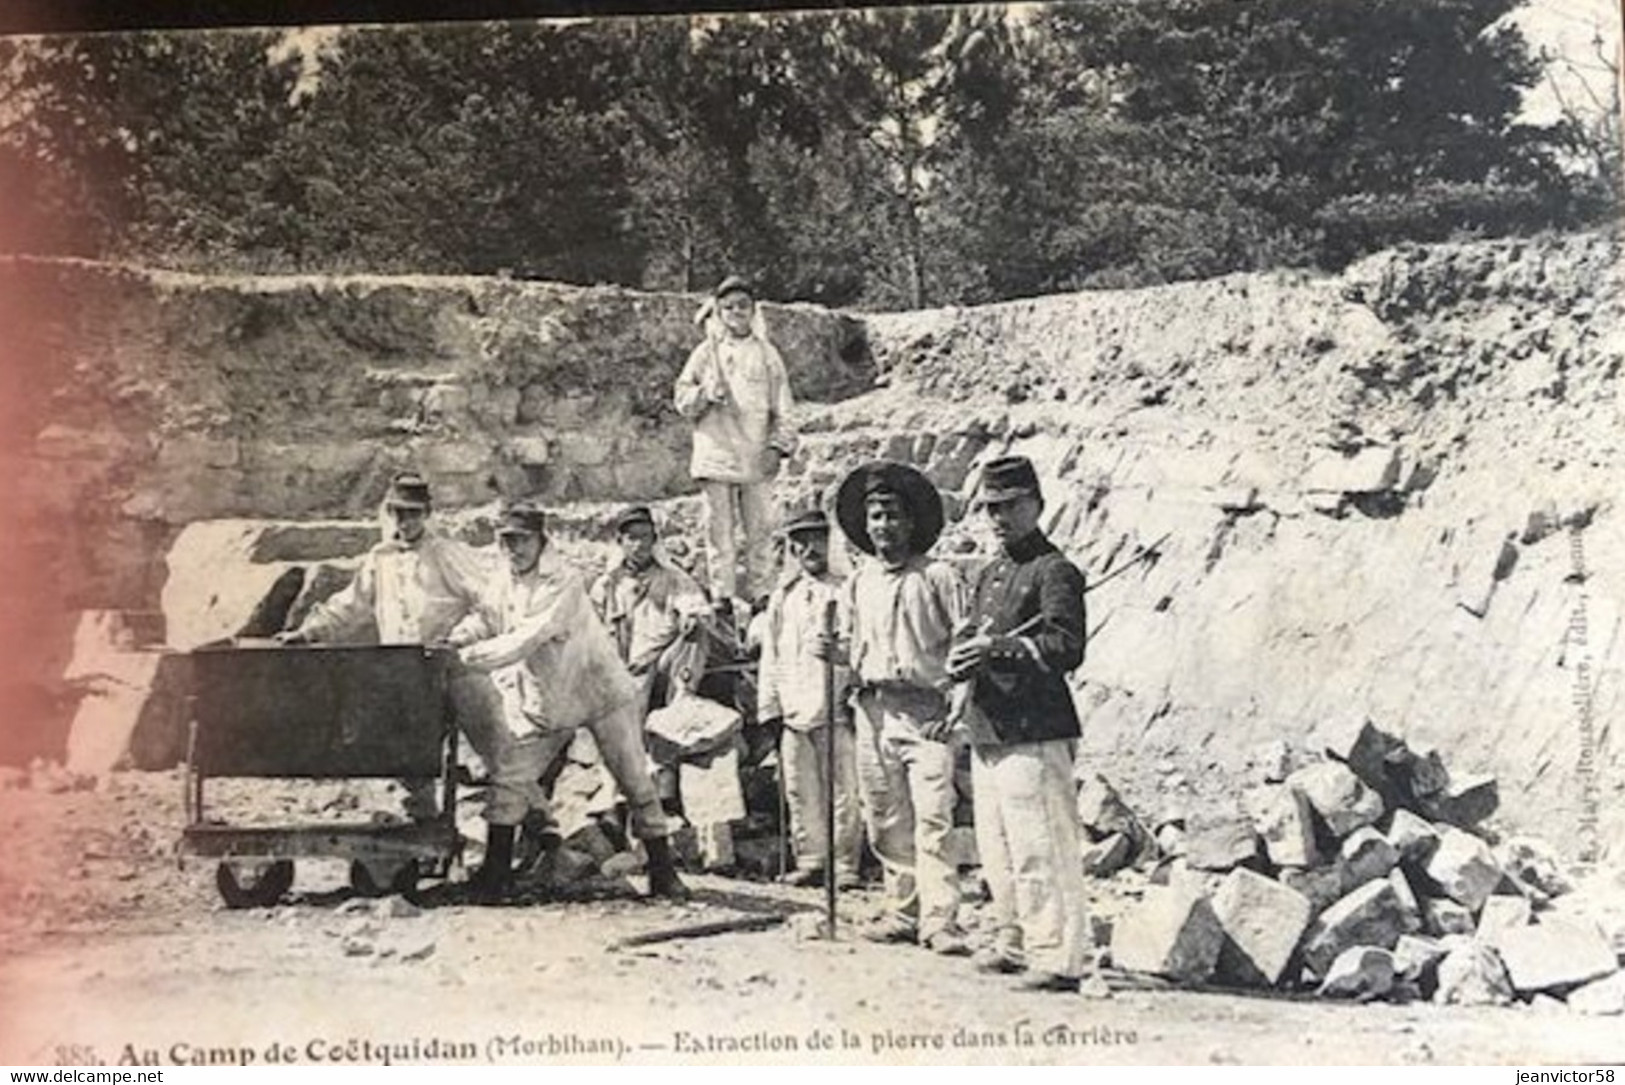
pixel 1392 492
pixel 1395 493
pixel 138 402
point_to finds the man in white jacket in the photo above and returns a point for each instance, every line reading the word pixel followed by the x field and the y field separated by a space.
pixel 793 691
pixel 735 390
pixel 411 588
pixel 552 668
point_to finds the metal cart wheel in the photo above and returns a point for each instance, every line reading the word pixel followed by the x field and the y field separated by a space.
pixel 253 885
pixel 382 879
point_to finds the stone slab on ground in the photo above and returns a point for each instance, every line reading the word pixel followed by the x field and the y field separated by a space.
pixel 1554 955
pixel 1171 932
pixel 1473 975
pixel 1363 973
pixel 1262 921
pixel 1502 913
pixel 1600 998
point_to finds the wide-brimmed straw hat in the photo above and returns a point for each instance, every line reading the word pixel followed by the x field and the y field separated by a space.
pixel 916 492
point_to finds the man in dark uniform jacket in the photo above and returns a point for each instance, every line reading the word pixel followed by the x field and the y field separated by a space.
pixel 1023 633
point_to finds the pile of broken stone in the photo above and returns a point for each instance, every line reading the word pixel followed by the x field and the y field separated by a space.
pixel 1366 874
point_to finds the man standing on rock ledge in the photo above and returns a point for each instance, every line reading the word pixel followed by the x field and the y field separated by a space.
pixel 1025 632
pixel 735 390
pixel 903 608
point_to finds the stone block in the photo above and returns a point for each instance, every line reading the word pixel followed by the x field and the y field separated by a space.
pixel 1363 747
pixel 1322 886
pixel 1502 913
pixel 1372 915
pixel 529 451
pixel 585 449
pixel 1413 837
pixel 1532 862
pixel 1273 761
pixel 1221 844
pixel 1370 470
pixel 1408 905
pixel 455 458
pixel 1466 802
pixel 1342 801
pixel 1417 958
pixel 1366 856
pixel 1442 917
pixel 1554 955
pixel 1600 998
pixel 1463 868
pixel 1473 975
pixel 1418 772
pixel 1362 973
pixel 1262 922
pixel 1171 841
pixel 1102 811
pixel 1106 857
pixel 1283 820
pixel 1172 933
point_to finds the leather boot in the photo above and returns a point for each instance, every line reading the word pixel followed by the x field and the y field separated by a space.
pixel 663 879
pixel 494 879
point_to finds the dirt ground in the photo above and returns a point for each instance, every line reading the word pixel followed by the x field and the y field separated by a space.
pixel 110 952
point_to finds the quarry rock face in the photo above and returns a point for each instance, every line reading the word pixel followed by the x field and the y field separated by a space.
pixel 1461 548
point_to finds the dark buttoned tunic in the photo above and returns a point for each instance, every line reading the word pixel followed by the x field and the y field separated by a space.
pixel 1030 599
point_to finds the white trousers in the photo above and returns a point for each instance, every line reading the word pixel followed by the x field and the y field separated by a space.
pixel 907 784
pixel 802 754
pixel 751 505
pixel 1028 836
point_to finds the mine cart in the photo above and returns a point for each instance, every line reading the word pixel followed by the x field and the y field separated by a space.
pixel 267 711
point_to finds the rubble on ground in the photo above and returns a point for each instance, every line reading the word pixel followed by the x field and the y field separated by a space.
pixel 1375 881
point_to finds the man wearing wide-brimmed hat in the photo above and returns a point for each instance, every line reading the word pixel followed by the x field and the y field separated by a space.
pixel 553 668
pixel 1025 631
pixel 735 390
pixel 903 608
pixel 411 588
pixel 793 691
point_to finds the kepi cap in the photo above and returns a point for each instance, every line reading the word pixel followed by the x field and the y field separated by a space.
pixel 1007 478
pixel 408 490
pixel 522 518
pixel 635 514
pixel 806 522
